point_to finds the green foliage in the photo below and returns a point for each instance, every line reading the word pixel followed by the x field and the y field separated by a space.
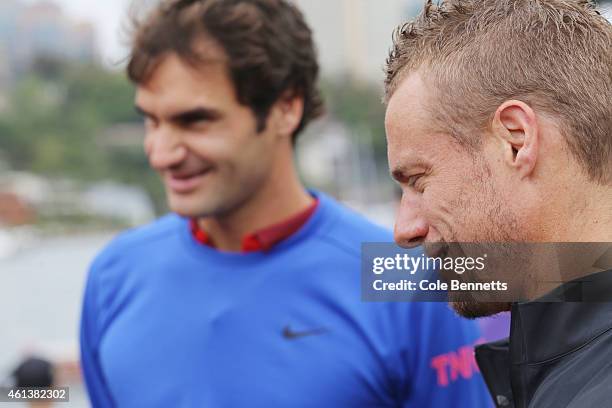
pixel 359 106
pixel 54 121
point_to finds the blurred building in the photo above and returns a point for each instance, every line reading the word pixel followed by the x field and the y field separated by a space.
pixel 26 196
pixel 14 210
pixel 354 36
pixel 41 29
pixel 330 160
pixel 112 200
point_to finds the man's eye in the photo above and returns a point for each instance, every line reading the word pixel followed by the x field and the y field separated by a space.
pixel 194 123
pixel 200 122
pixel 415 181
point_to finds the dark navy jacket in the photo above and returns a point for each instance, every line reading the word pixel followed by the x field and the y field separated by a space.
pixel 558 354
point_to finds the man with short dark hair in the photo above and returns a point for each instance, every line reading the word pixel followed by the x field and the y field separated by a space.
pixel 499 128
pixel 248 294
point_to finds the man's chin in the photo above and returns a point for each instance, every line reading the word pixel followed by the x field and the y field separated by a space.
pixel 473 310
pixel 186 206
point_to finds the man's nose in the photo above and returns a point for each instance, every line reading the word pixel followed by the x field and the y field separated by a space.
pixel 411 227
pixel 164 149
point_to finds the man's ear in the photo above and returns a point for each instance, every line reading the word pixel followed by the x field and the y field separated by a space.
pixel 515 125
pixel 288 111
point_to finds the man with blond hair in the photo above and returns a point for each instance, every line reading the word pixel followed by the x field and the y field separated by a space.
pixel 499 127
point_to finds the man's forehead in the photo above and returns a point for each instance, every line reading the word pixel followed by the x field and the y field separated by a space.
pixel 176 82
pixel 200 53
pixel 408 106
pixel 412 136
pixel 171 70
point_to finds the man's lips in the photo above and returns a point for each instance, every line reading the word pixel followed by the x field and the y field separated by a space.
pixel 185 183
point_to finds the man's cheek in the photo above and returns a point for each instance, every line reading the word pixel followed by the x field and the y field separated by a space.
pixel 147 145
pixel 446 218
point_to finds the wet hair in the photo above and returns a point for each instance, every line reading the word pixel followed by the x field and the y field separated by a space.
pixel 555 55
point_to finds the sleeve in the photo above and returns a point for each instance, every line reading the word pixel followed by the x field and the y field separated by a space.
pixel 90 334
pixel 441 370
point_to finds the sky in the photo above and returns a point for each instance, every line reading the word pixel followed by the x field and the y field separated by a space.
pixel 107 16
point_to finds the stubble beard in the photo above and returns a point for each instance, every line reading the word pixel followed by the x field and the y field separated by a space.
pixel 499 225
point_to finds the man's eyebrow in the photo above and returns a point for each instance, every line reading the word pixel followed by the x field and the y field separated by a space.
pixel 403 172
pixel 191 115
pixel 195 114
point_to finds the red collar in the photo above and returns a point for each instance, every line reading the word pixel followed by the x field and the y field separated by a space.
pixel 265 238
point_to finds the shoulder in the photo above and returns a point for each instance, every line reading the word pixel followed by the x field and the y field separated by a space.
pixel 347 229
pixel 592 365
pixel 596 392
pixel 134 242
pixel 123 265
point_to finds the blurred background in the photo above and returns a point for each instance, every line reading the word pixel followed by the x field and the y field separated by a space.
pixel 73 172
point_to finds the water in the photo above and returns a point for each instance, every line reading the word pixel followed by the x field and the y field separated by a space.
pixel 41 290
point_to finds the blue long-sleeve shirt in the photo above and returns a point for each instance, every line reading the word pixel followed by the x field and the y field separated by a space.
pixel 168 322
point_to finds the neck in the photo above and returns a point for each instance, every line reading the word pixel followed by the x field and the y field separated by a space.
pixel 282 196
pixel 589 218
pixel 583 234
